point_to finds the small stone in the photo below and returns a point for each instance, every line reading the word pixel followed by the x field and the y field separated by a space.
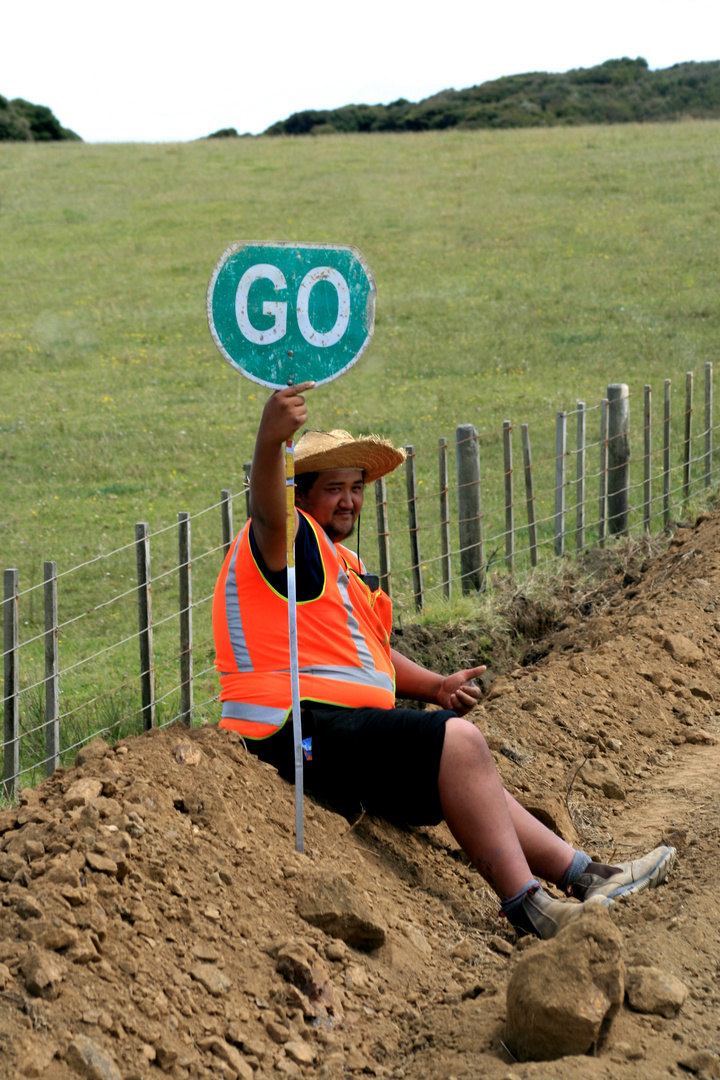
pixel 701 1061
pixel 28 908
pixel 35 1056
pixel 336 950
pixel 212 913
pixel 92 751
pixel 600 774
pixel 682 649
pixel 464 950
pixel 187 753
pixel 700 737
pixel 88 1059
pixel 55 935
pixel 229 1054
pixel 651 990
pixel 165 1056
pixel 10 865
pixel 34 850
pixel 302 1053
pixel 500 945
pixel 43 974
pixel 206 952
pixel 101 863
pixel 212 979
pixel 277 1032
pixel 81 792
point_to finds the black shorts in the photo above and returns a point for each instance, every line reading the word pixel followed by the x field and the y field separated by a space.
pixel 385 761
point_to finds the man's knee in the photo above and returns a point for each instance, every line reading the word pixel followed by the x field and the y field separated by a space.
pixel 464 742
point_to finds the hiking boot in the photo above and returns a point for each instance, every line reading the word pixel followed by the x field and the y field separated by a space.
pixel 624 878
pixel 544 917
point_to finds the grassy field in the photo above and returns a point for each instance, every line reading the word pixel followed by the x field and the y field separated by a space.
pixel 517 271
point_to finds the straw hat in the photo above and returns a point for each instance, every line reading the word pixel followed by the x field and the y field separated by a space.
pixel 318 451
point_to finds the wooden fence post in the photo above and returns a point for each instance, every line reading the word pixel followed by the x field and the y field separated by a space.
pixel 603 473
pixel 509 501
pixel 580 499
pixel 529 494
pixel 472 558
pixel 227 519
pixel 445 563
pixel 708 422
pixel 186 629
pixel 11 689
pixel 687 448
pixel 383 534
pixel 667 419
pixel 560 452
pixel 411 483
pixel 618 486
pixel 52 688
pixel 647 461
pixel 147 666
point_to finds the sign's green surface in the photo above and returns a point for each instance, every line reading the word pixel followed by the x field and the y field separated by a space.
pixel 283 312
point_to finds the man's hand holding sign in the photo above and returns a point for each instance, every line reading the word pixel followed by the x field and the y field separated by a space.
pixel 291 317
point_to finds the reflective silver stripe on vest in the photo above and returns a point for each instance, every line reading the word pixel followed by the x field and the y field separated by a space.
pixel 372 675
pixel 359 676
pixel 232 614
pixel 255 714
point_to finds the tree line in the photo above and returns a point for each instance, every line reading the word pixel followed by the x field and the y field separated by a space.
pixel 21 121
pixel 617 91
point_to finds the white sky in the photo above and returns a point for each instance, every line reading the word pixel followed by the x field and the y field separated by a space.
pixel 149 71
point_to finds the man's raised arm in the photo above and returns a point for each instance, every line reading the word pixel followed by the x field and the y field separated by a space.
pixel 284 414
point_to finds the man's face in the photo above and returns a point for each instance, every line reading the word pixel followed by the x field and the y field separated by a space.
pixel 334 501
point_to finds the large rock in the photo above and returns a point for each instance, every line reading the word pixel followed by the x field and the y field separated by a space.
pixel 564 992
pixel 651 990
pixel 329 902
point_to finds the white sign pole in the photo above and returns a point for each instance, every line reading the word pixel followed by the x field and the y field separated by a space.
pixel 292 627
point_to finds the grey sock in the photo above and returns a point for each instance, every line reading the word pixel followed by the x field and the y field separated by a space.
pixel 579 864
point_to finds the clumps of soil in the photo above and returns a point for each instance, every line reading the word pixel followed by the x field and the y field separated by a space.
pixel 155 918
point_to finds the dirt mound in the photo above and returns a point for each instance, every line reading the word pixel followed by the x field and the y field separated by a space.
pixel 150 920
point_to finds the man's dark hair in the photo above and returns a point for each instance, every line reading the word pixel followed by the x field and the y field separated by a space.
pixel 305 481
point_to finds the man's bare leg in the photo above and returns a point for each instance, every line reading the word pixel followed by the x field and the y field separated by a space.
pixel 503 841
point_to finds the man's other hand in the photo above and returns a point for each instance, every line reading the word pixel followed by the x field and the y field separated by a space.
pixel 458 693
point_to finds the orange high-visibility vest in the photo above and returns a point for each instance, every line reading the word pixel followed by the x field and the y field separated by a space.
pixel 343 640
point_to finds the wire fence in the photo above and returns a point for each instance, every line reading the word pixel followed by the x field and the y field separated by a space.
pixel 142 657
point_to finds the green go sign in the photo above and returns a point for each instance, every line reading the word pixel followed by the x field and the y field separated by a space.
pixel 283 312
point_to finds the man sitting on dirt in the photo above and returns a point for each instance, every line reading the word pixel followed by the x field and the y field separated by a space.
pixel 410 766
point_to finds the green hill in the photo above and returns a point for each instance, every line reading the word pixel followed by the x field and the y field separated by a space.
pixel 617 91
pixel 21 121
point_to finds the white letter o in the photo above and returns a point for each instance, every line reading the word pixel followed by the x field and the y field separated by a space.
pixel 312 336
pixel 277 308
